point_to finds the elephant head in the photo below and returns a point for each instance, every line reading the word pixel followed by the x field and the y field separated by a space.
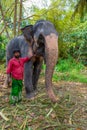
pixel 44 40
pixel 28 33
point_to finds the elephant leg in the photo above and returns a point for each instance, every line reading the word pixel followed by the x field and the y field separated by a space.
pixel 51 53
pixel 28 73
pixel 36 71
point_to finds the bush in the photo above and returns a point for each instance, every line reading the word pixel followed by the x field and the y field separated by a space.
pixel 68 70
pixel 3 42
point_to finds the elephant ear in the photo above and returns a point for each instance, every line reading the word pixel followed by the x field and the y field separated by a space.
pixel 28 33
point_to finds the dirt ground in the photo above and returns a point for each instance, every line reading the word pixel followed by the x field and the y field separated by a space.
pixel 40 113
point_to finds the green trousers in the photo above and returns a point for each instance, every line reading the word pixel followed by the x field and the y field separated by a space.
pixel 16 91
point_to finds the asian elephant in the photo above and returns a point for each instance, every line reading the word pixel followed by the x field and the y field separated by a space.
pixel 42 39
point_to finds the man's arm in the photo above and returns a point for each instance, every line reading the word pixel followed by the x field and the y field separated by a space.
pixel 9 67
pixel 25 59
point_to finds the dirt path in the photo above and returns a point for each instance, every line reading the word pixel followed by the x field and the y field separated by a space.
pixel 40 114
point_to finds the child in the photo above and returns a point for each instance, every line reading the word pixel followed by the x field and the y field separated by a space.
pixel 15 71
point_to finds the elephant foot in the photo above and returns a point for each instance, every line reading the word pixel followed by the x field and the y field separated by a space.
pixel 52 96
pixel 35 91
pixel 31 95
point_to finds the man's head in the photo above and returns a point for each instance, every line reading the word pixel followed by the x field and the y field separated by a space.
pixel 17 53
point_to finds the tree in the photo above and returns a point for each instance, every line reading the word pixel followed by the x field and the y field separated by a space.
pixel 15 16
pixel 20 16
pixel 81 8
pixel 11 16
pixel 3 18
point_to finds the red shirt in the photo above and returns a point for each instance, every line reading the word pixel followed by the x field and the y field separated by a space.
pixel 16 67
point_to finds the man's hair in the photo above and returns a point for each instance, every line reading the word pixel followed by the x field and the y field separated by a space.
pixel 16 50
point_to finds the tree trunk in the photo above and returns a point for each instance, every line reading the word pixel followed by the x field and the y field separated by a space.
pixel 15 17
pixel 20 16
pixel 3 18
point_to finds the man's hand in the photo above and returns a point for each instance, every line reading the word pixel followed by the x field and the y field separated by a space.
pixel 31 56
pixel 9 80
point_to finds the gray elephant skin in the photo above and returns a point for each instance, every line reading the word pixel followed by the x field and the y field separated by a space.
pixel 42 39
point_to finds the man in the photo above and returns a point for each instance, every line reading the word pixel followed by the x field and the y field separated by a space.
pixel 15 71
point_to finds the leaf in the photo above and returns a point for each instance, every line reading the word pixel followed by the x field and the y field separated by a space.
pixel 3 116
pixel 49 112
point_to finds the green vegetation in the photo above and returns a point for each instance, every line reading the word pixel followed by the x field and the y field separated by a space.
pixel 69 70
pixel 3 43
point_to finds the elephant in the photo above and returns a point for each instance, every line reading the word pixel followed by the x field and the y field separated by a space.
pixel 42 39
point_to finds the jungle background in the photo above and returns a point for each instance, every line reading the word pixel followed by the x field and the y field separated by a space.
pixel 70 75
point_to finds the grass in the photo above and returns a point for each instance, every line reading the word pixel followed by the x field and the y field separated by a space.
pixel 69 70
pixel 41 113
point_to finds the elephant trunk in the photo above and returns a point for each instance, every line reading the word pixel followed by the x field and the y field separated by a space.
pixel 51 53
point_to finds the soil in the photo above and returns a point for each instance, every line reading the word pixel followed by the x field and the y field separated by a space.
pixel 70 113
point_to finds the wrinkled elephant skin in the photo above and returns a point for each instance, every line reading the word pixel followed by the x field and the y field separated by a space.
pixel 42 40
